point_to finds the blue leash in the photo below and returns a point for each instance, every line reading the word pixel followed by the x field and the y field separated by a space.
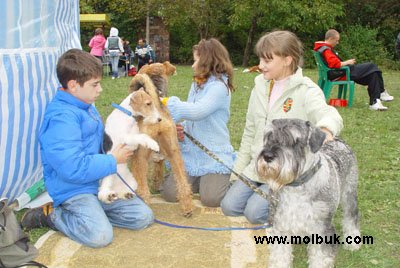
pixel 264 226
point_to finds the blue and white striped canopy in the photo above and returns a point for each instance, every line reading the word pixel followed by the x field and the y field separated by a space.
pixel 33 34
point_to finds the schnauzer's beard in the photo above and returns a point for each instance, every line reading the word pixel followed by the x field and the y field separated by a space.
pixel 282 170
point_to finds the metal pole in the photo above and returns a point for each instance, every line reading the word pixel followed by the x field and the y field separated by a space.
pixel 148 24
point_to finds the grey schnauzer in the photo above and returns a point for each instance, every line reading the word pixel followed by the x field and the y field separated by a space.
pixel 308 178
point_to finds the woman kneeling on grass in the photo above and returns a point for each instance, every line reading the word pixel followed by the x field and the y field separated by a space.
pixel 281 91
pixel 206 114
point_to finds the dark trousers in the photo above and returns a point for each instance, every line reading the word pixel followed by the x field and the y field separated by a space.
pixel 143 61
pixel 368 74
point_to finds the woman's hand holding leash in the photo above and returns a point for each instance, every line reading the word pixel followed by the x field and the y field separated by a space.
pixel 180 130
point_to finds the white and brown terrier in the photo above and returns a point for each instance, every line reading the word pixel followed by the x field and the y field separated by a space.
pixel 123 129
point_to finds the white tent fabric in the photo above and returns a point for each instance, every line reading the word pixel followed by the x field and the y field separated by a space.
pixel 33 34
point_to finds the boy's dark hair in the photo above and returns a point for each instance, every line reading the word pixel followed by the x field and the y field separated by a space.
pixel 79 65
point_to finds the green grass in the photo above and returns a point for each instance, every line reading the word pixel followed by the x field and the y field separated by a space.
pixel 374 137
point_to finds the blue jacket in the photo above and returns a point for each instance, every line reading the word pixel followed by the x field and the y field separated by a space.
pixel 70 139
pixel 206 114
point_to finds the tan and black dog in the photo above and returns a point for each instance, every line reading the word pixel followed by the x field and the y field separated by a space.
pixel 154 80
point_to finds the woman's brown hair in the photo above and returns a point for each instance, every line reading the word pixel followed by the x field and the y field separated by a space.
pixel 98 31
pixel 213 60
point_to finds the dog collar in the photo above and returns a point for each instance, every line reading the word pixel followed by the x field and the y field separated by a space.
pixel 125 111
pixel 306 176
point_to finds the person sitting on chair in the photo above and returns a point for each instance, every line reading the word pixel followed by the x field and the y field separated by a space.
pixel 363 74
pixel 144 53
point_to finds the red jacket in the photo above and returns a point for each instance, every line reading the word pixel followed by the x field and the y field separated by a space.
pixel 330 57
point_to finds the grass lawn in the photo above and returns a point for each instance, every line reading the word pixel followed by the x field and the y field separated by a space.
pixel 374 136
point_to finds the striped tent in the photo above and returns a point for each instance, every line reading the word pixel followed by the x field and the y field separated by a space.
pixel 33 34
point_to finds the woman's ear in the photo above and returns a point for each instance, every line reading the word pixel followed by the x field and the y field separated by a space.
pixel 288 60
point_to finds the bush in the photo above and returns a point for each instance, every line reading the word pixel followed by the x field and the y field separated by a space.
pixel 361 43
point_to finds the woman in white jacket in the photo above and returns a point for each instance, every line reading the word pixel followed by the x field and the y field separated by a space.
pixel 115 48
pixel 281 91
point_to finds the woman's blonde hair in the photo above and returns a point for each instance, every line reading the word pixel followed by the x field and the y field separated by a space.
pixel 282 44
pixel 213 60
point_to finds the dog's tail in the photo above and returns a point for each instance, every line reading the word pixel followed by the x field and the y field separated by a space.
pixel 143 81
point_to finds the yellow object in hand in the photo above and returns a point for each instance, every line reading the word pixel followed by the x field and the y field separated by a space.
pixel 164 101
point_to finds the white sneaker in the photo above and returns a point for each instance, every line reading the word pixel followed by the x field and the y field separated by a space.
pixel 113 78
pixel 377 106
pixel 386 97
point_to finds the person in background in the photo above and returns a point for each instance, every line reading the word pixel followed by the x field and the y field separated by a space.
pixel 144 53
pixel 115 48
pixel 205 116
pixel 280 91
pixel 363 73
pixel 97 44
pixel 126 59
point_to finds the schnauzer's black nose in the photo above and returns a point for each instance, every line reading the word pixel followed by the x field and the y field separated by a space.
pixel 268 156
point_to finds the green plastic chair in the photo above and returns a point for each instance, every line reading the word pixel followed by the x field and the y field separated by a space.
pixel 326 85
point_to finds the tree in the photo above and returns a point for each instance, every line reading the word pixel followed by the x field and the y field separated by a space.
pixel 305 18
pixel 208 17
pixel 383 15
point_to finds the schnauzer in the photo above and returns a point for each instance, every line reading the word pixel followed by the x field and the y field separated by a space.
pixel 307 180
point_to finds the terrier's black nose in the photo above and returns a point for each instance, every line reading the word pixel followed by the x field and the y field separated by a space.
pixel 268 156
pixel 159 119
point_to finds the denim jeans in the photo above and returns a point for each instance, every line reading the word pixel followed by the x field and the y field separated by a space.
pixel 114 58
pixel 85 219
pixel 241 200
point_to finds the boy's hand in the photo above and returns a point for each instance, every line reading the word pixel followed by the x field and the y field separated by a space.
pixel 179 130
pixel 350 62
pixel 121 153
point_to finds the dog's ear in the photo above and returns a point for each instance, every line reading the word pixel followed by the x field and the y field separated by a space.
pixel 275 122
pixel 169 68
pixel 317 138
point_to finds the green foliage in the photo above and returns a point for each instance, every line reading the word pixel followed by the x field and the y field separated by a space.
pixel 231 22
pixel 377 14
pixel 182 40
pixel 362 44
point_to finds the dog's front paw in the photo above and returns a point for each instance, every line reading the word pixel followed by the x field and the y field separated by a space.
pixel 107 196
pixel 152 145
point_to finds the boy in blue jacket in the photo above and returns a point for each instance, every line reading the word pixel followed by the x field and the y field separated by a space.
pixel 70 139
